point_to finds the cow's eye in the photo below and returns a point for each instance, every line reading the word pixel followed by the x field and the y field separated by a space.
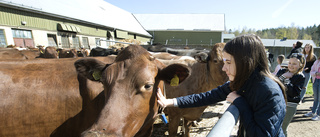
pixel 148 86
pixel 215 61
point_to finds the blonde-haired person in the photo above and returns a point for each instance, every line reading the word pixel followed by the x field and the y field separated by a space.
pixel 310 59
pixel 315 74
pixel 258 95
pixel 280 59
pixel 293 79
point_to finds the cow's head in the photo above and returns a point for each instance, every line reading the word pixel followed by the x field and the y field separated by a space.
pixel 130 85
pixel 215 64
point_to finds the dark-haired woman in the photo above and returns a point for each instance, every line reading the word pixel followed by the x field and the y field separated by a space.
pixel 252 88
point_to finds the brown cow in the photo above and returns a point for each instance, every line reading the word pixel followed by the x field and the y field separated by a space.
pixel 67 53
pixel 11 54
pixel 48 52
pixel 130 86
pixel 38 96
pixel 31 53
pixel 41 97
pixel 83 52
pixel 204 77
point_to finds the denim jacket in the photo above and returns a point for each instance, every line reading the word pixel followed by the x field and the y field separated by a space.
pixel 262 105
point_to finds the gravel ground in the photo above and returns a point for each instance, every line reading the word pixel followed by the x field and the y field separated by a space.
pixel 299 127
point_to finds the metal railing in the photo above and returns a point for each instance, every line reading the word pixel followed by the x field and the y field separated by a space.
pixel 224 126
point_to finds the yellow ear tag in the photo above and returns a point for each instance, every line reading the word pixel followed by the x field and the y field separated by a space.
pixel 96 75
pixel 174 81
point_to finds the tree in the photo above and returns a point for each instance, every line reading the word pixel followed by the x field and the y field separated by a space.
pixel 292 33
pixel 281 33
pixel 307 37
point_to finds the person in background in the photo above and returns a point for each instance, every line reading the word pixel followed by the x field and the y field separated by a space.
pixel 315 74
pixel 279 61
pixel 310 59
pixel 293 79
pixel 258 95
pixel 296 48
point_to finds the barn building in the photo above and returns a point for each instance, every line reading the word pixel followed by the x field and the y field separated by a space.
pixel 184 29
pixel 67 24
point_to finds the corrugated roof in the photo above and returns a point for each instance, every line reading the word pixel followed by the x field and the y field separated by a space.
pixel 228 36
pixel 92 11
pixel 285 43
pixel 182 22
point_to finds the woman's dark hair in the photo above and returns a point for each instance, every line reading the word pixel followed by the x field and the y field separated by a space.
pixel 249 54
pixel 299 44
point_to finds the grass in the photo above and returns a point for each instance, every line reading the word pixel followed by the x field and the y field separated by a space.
pixel 309 88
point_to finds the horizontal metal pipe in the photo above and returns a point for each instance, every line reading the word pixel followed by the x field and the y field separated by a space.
pixel 224 126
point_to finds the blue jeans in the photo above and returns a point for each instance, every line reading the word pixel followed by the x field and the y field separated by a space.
pixel 305 85
pixel 316 94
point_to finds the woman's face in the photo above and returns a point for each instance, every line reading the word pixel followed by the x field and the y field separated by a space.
pixel 294 65
pixel 307 48
pixel 229 65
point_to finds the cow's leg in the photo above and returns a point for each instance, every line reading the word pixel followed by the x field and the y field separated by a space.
pixel 187 126
pixel 174 121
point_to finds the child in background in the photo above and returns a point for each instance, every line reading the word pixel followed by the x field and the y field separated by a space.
pixel 293 78
pixel 279 60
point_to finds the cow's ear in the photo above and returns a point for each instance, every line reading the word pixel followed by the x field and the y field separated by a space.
pixel 90 68
pixel 174 74
pixel 201 57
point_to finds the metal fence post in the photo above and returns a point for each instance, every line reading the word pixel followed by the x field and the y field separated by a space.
pixel 224 126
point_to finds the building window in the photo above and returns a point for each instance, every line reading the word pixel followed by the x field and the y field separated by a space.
pixel 22 38
pixel 85 43
pixel 21 33
pixel 65 41
pixel 52 40
pixel 75 42
pixel 3 42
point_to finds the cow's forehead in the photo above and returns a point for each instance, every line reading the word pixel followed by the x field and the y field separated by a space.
pixel 139 68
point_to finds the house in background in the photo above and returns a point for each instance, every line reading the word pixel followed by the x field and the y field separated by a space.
pixel 227 37
pixel 184 29
pixel 66 24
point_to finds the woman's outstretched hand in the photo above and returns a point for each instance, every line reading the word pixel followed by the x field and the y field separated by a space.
pixel 163 101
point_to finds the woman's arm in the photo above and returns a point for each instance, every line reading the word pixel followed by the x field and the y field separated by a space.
pixel 314 68
pixel 203 99
pixel 196 100
pixel 294 88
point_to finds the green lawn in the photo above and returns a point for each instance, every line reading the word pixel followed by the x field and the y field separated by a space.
pixel 309 89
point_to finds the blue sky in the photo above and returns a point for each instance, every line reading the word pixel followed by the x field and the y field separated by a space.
pixel 252 14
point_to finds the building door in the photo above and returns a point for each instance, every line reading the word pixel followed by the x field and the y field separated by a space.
pixel 52 40
pixel 22 38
